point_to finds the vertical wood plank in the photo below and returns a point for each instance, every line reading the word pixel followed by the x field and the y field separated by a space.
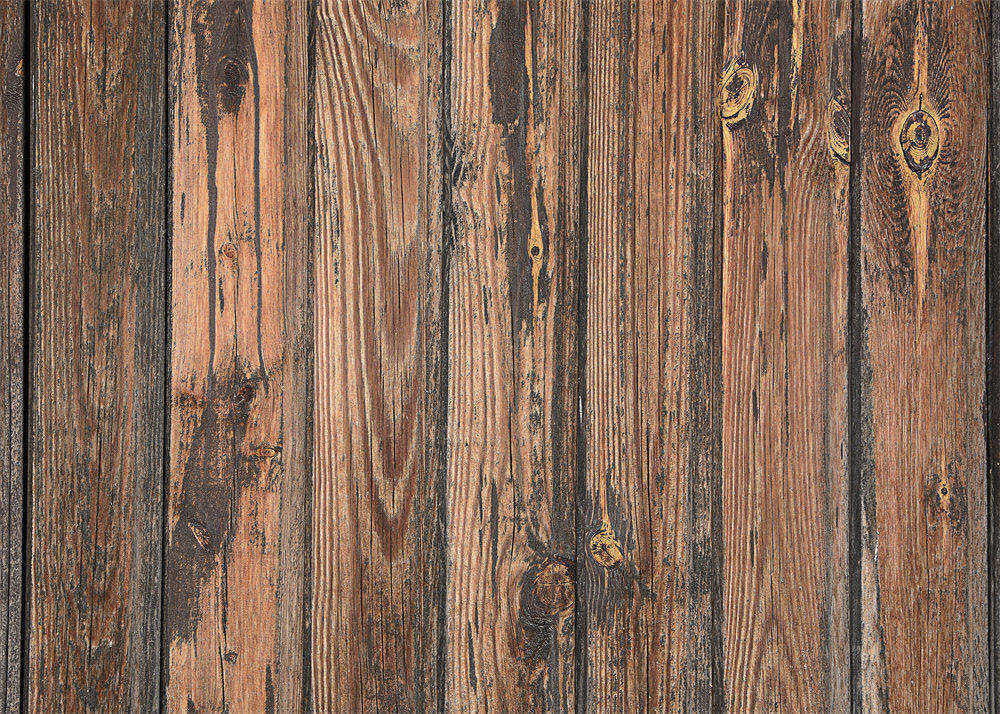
pixel 923 189
pixel 673 144
pixel 514 172
pixel 379 459
pixel 785 124
pixel 650 559
pixel 97 355
pixel 992 401
pixel 240 324
pixel 11 349
pixel 614 514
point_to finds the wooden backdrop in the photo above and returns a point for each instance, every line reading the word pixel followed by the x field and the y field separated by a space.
pixel 499 355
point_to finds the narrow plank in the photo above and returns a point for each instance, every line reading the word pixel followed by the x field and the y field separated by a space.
pixel 11 349
pixel 785 123
pixel 992 401
pixel 650 520
pixel 379 458
pixel 512 354
pixel 240 362
pixel 673 286
pixel 614 514
pixel 97 355
pixel 923 186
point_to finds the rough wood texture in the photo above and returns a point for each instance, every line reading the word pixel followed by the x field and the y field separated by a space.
pixel 524 355
pixel 97 355
pixel 377 556
pixel 11 350
pixel 514 172
pixel 240 361
pixel 923 186
pixel 649 571
pixel 992 401
pixel 784 110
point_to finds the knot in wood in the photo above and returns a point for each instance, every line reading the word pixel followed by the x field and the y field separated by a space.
pixel 838 130
pixel 553 588
pixel 605 548
pixel 919 140
pixel 739 89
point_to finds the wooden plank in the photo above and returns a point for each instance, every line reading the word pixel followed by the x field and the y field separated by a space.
pixel 785 203
pixel 97 355
pixel 512 354
pixel 379 459
pixel 240 361
pixel 992 401
pixel 649 535
pixel 673 288
pixel 11 349
pixel 923 185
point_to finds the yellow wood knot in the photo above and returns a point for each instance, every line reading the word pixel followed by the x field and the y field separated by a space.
pixel 838 130
pixel 739 88
pixel 606 549
pixel 919 140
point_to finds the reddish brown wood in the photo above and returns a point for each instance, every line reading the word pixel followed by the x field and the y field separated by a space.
pixel 12 352
pixel 512 363
pixel 784 110
pixel 922 227
pixel 379 448
pixel 97 355
pixel 240 336
pixel 648 535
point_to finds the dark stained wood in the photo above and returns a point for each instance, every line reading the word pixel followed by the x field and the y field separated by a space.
pixel 235 558
pixel 785 120
pixel 96 355
pixel 11 350
pixel 649 530
pixel 379 441
pixel 923 185
pixel 512 362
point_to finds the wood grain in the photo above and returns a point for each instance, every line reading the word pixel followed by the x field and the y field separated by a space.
pixel 514 172
pixel 379 459
pixel 97 355
pixel 923 187
pixel 240 362
pixel 12 388
pixel 784 109
pixel 992 397
pixel 649 530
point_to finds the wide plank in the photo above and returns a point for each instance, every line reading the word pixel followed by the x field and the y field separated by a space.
pixel 96 355
pixel 12 373
pixel 241 331
pixel 379 447
pixel 784 107
pixel 512 215
pixel 922 297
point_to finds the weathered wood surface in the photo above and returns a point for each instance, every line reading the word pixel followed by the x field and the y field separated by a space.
pixel 649 510
pixel 922 230
pixel 784 200
pixel 499 355
pixel 240 363
pixel 98 288
pixel 379 369
pixel 12 350
pixel 513 171
pixel 992 401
